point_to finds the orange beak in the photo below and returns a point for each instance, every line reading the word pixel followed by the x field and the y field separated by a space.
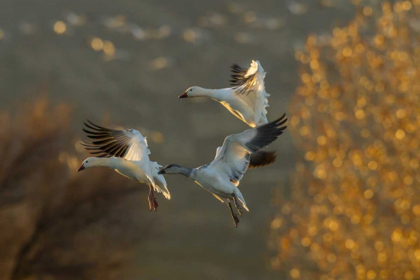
pixel 184 95
pixel 81 168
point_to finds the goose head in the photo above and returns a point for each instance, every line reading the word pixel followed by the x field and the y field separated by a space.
pixel 91 162
pixel 193 92
pixel 171 169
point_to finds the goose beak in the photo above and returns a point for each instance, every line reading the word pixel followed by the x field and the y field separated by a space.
pixel 161 172
pixel 81 168
pixel 184 95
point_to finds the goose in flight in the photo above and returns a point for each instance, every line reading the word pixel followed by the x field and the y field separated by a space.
pixel 246 99
pixel 127 153
pixel 221 177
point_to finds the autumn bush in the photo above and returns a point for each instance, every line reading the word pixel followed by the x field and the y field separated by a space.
pixel 57 223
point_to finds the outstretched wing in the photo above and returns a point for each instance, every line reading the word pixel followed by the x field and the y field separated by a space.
pixel 104 142
pixel 244 80
pixel 249 85
pixel 234 156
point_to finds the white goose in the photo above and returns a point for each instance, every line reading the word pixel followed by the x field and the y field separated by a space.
pixel 246 99
pixel 222 176
pixel 126 152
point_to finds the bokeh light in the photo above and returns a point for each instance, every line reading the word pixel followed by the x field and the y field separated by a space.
pixel 354 208
pixel 60 27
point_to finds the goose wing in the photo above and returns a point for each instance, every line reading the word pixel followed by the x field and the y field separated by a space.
pixel 105 142
pixel 233 158
pixel 261 158
pixel 244 80
pixel 257 159
pixel 248 84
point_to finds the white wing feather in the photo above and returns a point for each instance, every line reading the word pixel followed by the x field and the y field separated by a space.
pixel 253 92
pixel 160 182
pixel 137 146
pixel 233 158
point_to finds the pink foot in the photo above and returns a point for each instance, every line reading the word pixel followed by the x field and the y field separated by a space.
pixel 153 205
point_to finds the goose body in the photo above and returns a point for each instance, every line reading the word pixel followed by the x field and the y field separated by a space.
pixel 246 99
pixel 126 152
pixel 142 172
pixel 217 184
pixel 222 176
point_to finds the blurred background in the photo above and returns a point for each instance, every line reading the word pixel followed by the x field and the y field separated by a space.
pixel 341 202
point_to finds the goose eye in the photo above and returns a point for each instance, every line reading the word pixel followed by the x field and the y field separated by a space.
pixel 86 161
pixel 190 89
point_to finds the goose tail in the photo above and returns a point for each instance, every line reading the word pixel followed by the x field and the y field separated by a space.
pixel 241 199
pixel 160 183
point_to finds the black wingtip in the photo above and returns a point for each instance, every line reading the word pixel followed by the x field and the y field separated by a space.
pixel 261 159
pixel 238 75
pixel 97 126
pixel 276 123
pixel 267 133
pixel 281 120
pixel 87 122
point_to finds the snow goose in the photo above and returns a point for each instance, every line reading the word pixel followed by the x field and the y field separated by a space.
pixel 127 153
pixel 221 177
pixel 246 99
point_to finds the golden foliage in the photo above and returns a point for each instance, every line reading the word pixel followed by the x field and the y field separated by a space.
pixel 354 209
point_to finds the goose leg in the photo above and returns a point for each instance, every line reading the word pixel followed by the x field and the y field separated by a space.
pixel 238 207
pixel 234 216
pixel 153 205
